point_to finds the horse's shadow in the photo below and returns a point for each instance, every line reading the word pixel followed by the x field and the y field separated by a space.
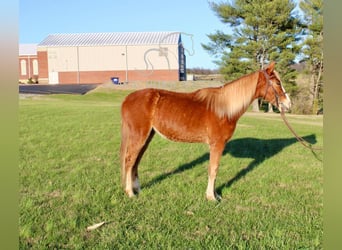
pixel 257 149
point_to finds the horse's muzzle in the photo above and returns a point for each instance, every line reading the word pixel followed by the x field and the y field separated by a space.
pixel 285 106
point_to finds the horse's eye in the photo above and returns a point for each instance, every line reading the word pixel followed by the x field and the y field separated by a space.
pixel 277 82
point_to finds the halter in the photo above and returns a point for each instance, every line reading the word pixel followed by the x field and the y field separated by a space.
pixel 267 86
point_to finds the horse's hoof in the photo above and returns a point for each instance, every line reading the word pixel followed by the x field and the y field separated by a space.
pixel 130 194
pixel 215 197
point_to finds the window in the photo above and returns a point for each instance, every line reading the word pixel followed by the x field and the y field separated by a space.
pixel 35 67
pixel 23 67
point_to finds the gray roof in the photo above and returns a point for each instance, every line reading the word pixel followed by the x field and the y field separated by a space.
pixel 27 49
pixel 116 38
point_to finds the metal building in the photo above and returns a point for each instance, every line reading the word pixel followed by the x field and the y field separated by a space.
pixel 98 57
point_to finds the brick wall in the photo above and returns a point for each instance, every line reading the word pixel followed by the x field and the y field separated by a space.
pixel 105 76
pixel 26 68
pixel 43 66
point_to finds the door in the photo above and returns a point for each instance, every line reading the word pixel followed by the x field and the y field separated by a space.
pixel 53 77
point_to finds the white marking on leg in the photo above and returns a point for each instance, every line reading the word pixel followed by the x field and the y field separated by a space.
pixel 210 189
pixel 129 189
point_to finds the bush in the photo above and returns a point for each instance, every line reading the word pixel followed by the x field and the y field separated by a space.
pixel 32 81
pixel 302 102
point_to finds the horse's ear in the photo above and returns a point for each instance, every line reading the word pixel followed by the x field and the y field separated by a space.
pixel 270 68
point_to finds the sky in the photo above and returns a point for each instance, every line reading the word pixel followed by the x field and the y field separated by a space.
pixel 193 18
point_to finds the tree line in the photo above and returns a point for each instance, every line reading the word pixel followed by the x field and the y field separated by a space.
pixel 275 30
pixel 202 71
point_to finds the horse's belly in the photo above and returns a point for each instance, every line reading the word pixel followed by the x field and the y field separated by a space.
pixel 178 131
pixel 178 118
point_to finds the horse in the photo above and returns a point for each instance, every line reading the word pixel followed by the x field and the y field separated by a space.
pixel 207 115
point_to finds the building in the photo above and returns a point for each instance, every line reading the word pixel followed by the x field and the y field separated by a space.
pixel 98 57
pixel 28 63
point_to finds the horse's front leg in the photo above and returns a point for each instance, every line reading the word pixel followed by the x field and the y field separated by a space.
pixel 215 156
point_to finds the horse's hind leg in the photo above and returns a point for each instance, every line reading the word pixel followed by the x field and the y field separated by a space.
pixel 135 175
pixel 137 115
pixel 136 147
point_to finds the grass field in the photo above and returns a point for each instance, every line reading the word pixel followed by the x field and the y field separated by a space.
pixel 272 187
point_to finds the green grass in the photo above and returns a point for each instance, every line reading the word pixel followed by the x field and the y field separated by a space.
pixel 272 187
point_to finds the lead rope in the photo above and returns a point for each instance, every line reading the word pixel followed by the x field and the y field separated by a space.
pixel 300 139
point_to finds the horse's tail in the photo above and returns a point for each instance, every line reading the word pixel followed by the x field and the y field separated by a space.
pixel 123 151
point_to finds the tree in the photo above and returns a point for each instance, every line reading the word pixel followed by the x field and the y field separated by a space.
pixel 263 31
pixel 313 48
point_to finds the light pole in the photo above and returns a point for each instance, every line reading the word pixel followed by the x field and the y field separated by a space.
pixel 125 54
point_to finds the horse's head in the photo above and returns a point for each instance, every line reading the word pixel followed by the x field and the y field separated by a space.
pixel 271 89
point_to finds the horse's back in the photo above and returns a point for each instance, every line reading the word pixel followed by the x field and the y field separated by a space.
pixel 144 101
pixel 139 102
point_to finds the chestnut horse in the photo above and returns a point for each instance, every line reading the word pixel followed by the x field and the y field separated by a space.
pixel 208 115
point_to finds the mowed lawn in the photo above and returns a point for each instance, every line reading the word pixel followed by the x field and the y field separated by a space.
pixel 69 173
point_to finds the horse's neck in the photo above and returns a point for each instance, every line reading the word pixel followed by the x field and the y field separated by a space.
pixel 238 95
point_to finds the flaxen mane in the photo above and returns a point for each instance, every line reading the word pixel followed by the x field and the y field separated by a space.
pixel 232 98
